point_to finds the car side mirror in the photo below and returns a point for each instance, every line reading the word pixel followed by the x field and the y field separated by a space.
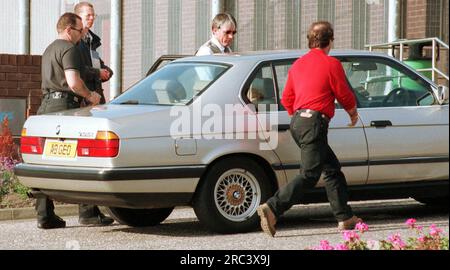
pixel 442 93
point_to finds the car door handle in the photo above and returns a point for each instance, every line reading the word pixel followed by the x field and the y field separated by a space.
pixel 283 127
pixel 381 123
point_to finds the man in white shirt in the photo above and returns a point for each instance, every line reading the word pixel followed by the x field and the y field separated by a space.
pixel 223 31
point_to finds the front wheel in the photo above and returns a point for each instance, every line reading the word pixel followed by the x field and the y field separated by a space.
pixel 139 217
pixel 229 194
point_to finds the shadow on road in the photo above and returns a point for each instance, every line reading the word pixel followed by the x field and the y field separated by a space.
pixel 380 215
pixel 184 227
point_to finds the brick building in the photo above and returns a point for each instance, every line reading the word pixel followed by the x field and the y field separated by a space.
pixel 151 28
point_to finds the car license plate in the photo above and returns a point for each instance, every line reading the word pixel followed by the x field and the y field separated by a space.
pixel 61 149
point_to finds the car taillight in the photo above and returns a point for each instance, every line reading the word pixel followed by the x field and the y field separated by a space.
pixel 106 144
pixel 31 145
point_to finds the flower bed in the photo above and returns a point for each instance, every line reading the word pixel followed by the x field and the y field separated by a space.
pixel 433 239
pixel 12 192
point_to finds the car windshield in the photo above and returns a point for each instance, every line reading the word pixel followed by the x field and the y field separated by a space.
pixel 174 84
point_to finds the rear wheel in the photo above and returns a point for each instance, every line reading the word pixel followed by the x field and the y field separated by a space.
pixel 139 217
pixel 227 199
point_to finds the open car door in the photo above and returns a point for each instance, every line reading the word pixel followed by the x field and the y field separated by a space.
pixel 162 61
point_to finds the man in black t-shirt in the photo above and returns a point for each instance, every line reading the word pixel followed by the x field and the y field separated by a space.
pixel 63 89
pixel 62 85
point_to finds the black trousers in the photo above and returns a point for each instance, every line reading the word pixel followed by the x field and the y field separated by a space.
pixel 44 206
pixel 46 210
pixel 311 135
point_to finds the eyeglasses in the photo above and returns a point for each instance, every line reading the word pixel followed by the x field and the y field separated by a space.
pixel 229 32
pixel 79 30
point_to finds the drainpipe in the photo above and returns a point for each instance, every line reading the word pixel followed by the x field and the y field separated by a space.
pixel 441 21
pixel 394 22
pixel 217 6
pixel 24 31
pixel 116 48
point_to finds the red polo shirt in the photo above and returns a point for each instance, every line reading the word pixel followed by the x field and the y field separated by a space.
pixel 314 81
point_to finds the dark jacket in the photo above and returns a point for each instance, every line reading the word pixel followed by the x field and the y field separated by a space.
pixel 90 75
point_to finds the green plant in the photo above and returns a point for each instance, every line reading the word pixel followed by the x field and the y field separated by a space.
pixel 20 189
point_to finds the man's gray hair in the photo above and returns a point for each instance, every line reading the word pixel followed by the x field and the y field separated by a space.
pixel 78 7
pixel 222 19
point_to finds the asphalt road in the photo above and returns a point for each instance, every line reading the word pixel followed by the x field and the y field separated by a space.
pixel 302 227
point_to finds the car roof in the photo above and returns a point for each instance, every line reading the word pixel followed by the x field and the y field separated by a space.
pixel 259 56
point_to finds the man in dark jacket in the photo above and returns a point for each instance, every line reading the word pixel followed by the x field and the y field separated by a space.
pixel 96 72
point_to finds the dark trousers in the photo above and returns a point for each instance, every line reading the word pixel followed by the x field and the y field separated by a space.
pixel 46 210
pixel 44 206
pixel 310 134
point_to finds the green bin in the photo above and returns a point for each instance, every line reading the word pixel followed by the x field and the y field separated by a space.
pixel 416 60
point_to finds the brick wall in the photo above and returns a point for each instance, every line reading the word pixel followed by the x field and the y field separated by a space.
pixel 132 43
pixel 246 24
pixel 416 19
pixel 378 24
pixel 309 10
pixel 343 24
pixel 188 27
pixel 162 27
pixel 149 26
pixel 20 77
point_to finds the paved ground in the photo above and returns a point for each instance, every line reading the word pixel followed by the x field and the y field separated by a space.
pixel 303 227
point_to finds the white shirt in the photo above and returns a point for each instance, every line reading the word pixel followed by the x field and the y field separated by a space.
pixel 205 50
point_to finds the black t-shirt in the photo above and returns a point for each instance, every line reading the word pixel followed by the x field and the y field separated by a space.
pixel 59 56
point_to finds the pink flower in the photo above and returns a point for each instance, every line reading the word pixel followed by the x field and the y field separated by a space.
pixel 340 247
pixel 435 231
pixel 411 223
pixel 397 241
pixel 324 245
pixel 350 236
pixel 362 227
pixel 434 239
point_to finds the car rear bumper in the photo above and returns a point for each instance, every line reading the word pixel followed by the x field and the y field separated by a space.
pixel 125 200
pixel 120 187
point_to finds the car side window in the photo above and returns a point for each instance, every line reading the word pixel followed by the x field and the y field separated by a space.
pixel 261 90
pixel 281 75
pixel 174 84
pixel 378 82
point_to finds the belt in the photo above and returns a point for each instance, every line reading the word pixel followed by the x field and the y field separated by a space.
pixel 308 113
pixel 60 95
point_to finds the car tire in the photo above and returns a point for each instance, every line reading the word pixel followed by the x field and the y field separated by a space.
pixel 139 217
pixel 229 194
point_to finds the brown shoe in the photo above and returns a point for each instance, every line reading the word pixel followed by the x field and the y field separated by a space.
pixel 268 219
pixel 349 224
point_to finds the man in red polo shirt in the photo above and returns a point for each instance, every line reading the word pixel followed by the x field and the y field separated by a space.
pixel 315 80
